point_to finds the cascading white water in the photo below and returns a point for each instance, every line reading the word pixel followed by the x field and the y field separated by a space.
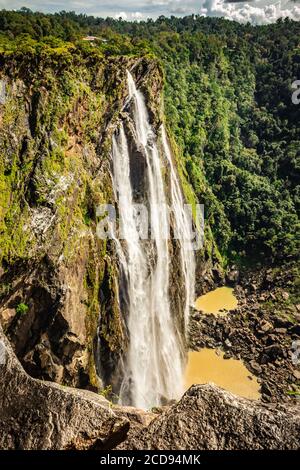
pixel 154 365
pixel 183 232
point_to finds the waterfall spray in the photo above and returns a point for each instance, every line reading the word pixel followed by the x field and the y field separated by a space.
pixel 155 360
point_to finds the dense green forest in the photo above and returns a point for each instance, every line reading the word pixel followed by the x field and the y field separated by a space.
pixel 228 91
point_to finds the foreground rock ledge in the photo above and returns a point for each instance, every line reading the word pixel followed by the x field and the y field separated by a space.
pixel 208 417
pixel 44 415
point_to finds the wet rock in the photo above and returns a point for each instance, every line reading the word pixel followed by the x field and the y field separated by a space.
pixel 208 417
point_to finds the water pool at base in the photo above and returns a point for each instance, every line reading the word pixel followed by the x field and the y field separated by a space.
pixel 217 300
pixel 209 365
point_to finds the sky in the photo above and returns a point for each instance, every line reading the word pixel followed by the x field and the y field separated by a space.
pixel 254 11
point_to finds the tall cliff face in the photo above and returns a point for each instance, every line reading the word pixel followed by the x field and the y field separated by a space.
pixel 57 279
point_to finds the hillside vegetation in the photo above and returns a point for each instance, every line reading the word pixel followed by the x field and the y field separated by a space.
pixel 228 91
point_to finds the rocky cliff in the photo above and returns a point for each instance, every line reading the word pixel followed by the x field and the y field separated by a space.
pixel 58 280
pixel 209 418
pixel 59 303
pixel 43 415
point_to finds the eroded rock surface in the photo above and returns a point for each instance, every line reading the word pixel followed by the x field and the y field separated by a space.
pixel 208 417
pixel 44 415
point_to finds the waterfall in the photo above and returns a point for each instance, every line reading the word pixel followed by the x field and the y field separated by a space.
pixel 183 232
pixel 155 360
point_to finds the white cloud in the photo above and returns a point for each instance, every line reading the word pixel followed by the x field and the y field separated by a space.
pixel 122 15
pixel 254 11
pixel 137 15
pixel 257 12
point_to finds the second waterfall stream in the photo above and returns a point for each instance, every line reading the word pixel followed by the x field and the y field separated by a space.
pixel 155 360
